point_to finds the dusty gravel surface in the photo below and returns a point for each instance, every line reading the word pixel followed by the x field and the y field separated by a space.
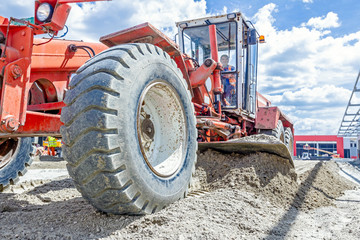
pixel 233 197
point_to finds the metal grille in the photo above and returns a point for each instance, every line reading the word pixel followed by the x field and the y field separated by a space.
pixel 350 125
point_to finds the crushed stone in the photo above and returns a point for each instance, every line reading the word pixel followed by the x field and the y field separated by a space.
pixel 246 197
pixel 271 176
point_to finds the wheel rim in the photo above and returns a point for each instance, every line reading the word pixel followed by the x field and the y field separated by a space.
pixel 7 151
pixel 161 128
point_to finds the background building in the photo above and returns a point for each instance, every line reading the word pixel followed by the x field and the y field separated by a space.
pixel 330 143
pixel 350 147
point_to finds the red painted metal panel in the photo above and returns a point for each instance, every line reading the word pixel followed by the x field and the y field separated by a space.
pixel 16 85
pixel 40 123
pixel 4 20
pixel 19 38
pixel 14 94
pixel 46 106
pixel 143 33
pixel 55 55
pixel 267 117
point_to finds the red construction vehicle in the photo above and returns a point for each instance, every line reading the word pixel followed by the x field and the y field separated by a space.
pixel 133 114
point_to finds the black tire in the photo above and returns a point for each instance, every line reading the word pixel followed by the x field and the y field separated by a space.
pixel 15 156
pixel 278 132
pixel 102 144
pixel 289 140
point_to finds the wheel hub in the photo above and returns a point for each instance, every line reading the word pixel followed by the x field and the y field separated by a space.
pixel 147 129
pixel 161 128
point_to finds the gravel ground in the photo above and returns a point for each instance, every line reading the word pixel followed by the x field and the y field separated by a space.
pixel 234 197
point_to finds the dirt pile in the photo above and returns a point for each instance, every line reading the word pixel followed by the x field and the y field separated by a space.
pixel 239 204
pixel 320 186
pixel 272 177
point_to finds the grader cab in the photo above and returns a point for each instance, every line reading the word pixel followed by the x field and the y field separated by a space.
pixel 236 42
pixel 231 38
pixel 133 109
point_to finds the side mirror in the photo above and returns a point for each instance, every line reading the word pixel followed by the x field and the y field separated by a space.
pixel 252 39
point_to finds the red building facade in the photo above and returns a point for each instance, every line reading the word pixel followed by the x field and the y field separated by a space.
pixel 329 143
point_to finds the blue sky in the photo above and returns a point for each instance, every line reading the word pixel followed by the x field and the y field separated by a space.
pixel 307 67
pixel 294 12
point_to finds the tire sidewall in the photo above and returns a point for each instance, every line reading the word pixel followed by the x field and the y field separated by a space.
pixel 149 69
pixel 18 161
pixel 280 131
pixel 289 140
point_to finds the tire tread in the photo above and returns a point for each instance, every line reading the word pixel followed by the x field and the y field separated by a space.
pixel 94 90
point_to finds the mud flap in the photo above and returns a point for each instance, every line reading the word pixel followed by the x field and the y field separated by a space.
pixel 250 145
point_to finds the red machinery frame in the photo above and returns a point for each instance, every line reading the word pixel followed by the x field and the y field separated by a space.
pixel 36 72
pixel 209 116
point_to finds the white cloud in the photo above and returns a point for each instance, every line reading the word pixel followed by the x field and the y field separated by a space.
pixel 316 126
pixel 265 20
pixel 91 21
pixel 303 57
pixel 17 8
pixel 313 109
pixel 224 10
pixel 308 1
pixel 326 94
pixel 19 3
pixel 331 20
pixel 306 71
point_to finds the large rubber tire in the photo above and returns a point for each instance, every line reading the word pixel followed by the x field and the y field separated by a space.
pixel 289 140
pixel 15 156
pixel 102 138
pixel 278 132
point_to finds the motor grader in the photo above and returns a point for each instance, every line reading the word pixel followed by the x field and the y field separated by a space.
pixel 133 109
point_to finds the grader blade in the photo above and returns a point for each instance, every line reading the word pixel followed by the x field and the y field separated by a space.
pixel 248 145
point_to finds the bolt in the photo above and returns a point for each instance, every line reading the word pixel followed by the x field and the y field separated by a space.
pixel 208 62
pixel 16 71
pixel 11 124
pixel 72 48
